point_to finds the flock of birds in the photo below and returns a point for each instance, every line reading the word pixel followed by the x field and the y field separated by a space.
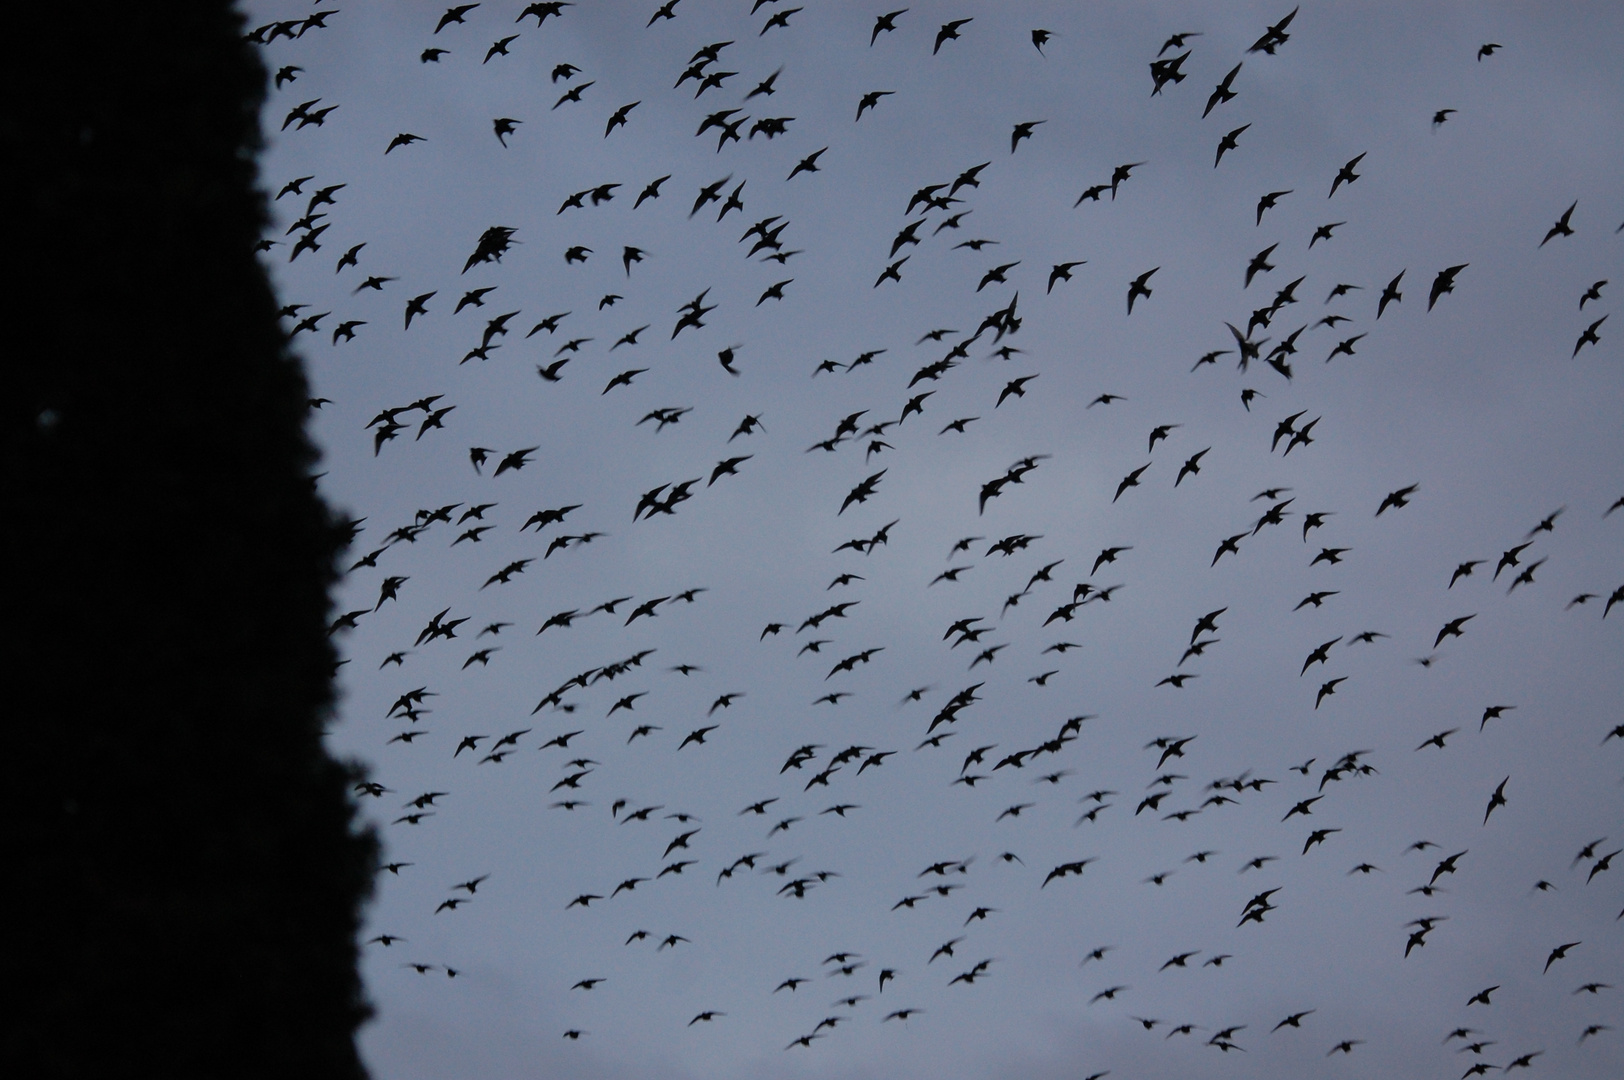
pixel 577 718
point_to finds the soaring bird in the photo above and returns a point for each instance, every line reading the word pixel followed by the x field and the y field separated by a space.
pixel 1023 130
pixel 1589 337
pixel 1121 173
pixel 1259 265
pixel 1227 143
pixel 948 32
pixel 499 48
pixel 1346 175
pixel 884 24
pixel 1498 799
pixel 453 15
pixel 1397 499
pixel 1132 480
pixel 1443 283
pixel 1560 953
pixel 1561 228
pixel 1222 92
pixel 871 100
pixel 1323 232
pixel 1390 294
pixel 1138 287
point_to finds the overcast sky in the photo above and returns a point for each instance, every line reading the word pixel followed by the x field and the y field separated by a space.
pixel 1479 405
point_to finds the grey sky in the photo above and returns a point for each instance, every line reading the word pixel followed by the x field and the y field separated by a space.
pixel 1478 402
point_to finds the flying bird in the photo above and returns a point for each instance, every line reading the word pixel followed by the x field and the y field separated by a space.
pixel 1443 283
pixel 1131 480
pixel 1496 800
pixel 1452 629
pixel 948 32
pixel 1023 130
pixel 1561 228
pixel 1140 287
pixel 1222 92
pixel 1346 174
pixel 1397 499
pixel 885 24
pixel 1269 201
pixel 1589 337
pixel 1227 143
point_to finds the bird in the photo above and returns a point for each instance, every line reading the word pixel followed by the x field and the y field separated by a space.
pixel 499 47
pixel 871 99
pixel 1464 570
pixel 1318 836
pixel 1390 294
pixel 618 119
pixel 1259 264
pixel 1323 232
pixel 1397 499
pixel 1443 283
pixel 1015 387
pixel 1091 194
pixel 1062 272
pixel 650 191
pixel 949 32
pixel 1561 228
pixel 1560 953
pixel 1497 799
pixel 1295 1019
pixel 1023 130
pixel 1274 37
pixel 1139 287
pixel 780 20
pixel 1227 143
pixel 1438 739
pixel 1222 92
pixel 1452 629
pixel 1589 337
pixel 573 95
pixel 1120 174
pixel 1269 201
pixel 765 86
pixel 1346 174
pixel 885 24
pixel 1131 480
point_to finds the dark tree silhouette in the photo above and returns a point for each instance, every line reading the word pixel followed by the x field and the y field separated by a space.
pixel 186 866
